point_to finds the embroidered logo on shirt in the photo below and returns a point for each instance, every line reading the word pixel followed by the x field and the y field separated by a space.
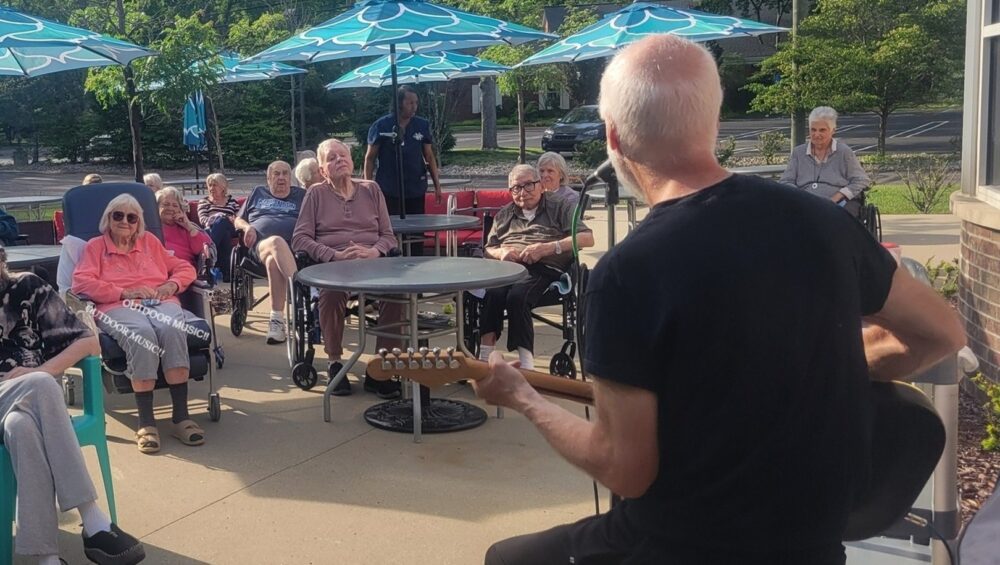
pixel 418 136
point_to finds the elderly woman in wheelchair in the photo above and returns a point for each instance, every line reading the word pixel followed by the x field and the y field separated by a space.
pixel 182 237
pixel 342 219
pixel 41 338
pixel 536 231
pixel 134 283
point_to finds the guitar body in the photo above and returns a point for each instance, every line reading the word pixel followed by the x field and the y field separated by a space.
pixel 908 438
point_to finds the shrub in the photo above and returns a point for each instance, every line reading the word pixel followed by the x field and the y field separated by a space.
pixel 770 143
pixel 928 178
pixel 592 153
pixel 943 276
pixel 992 409
pixel 725 150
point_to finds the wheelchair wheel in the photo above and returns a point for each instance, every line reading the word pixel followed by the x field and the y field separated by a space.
pixel 562 366
pixel 220 356
pixel 214 407
pixel 240 303
pixel 304 376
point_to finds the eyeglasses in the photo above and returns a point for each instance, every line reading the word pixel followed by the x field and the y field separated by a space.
pixel 118 216
pixel 526 187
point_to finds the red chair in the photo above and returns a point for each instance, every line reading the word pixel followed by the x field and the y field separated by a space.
pixel 58 225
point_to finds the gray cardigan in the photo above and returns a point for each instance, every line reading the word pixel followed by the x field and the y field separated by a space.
pixel 841 172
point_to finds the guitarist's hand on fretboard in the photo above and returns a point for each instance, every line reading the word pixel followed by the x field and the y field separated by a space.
pixel 505 386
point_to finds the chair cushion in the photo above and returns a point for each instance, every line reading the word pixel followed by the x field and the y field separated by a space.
pixel 493 198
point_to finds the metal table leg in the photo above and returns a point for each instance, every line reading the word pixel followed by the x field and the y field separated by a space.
pixel 342 373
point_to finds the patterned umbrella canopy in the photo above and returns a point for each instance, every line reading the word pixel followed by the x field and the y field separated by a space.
pixel 371 27
pixel 418 67
pixel 234 71
pixel 638 20
pixel 31 46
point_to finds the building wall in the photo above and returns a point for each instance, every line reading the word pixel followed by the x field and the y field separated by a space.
pixel 979 294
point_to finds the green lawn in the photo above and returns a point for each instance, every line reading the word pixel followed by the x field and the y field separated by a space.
pixel 479 158
pixel 892 199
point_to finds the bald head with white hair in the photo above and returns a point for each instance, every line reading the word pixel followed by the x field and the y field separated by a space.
pixel 660 98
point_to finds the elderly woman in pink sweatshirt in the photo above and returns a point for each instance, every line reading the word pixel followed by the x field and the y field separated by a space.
pixel 134 282
pixel 342 219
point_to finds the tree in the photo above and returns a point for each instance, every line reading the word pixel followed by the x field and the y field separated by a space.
pixel 753 9
pixel 582 79
pixel 488 112
pixel 859 55
pixel 521 81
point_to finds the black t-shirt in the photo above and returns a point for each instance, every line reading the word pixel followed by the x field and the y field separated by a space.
pixel 740 307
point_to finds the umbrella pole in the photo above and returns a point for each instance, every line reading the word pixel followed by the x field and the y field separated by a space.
pixel 397 139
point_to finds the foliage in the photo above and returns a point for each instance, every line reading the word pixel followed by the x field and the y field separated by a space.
pixel 928 178
pixel 943 276
pixel 991 408
pixel 770 143
pixel 504 156
pixel 582 79
pixel 860 55
pixel 748 8
pixel 592 153
pixel 725 149
pixel 892 199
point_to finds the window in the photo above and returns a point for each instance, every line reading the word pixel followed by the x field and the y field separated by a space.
pixel 993 111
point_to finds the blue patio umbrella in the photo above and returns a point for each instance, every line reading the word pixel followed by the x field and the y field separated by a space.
pixel 418 67
pixel 235 71
pixel 638 20
pixel 194 122
pixel 32 46
pixel 377 27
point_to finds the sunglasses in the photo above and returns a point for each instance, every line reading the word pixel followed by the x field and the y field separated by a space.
pixel 526 187
pixel 118 216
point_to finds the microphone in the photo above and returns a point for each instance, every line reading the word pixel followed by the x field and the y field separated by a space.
pixel 605 173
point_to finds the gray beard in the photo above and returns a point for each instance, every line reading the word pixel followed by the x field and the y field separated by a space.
pixel 627 183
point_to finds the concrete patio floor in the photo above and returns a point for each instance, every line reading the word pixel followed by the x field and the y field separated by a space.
pixel 276 485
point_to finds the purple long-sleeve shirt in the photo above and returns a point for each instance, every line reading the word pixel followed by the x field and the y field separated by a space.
pixel 328 222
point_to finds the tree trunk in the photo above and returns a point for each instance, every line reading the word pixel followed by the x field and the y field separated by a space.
pixel 302 111
pixel 134 115
pixel 215 129
pixel 521 157
pixel 488 111
pixel 883 126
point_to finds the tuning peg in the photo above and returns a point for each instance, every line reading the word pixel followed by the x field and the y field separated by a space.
pixel 384 354
pixel 425 361
pixel 412 358
pixel 398 354
pixel 438 362
pixel 452 364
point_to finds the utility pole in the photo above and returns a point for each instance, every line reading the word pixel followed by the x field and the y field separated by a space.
pixel 799 10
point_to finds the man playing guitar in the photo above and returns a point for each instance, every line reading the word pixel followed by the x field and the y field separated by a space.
pixel 725 339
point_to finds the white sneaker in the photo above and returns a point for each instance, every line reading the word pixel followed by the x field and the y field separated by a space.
pixel 276 332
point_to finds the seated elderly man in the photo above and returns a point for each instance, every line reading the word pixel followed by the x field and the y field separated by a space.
pixel 534 230
pixel 345 218
pixel 267 219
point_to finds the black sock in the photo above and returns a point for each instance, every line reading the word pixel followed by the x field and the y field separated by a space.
pixel 144 401
pixel 179 397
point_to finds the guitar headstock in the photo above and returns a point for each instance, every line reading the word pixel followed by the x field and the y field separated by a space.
pixel 429 367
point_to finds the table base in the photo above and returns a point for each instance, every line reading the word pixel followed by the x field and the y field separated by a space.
pixel 440 415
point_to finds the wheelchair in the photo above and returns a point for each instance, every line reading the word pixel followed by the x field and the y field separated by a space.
pixel 566 292
pixel 870 217
pixel 83 207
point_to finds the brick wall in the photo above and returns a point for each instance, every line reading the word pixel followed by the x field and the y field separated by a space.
pixel 979 295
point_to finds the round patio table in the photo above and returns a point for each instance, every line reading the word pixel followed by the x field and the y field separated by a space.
pixel 412 281
pixel 419 224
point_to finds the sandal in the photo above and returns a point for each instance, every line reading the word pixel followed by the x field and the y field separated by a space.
pixel 189 432
pixel 148 440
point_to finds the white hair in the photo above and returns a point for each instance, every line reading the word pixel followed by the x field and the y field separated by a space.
pixel 153 180
pixel 824 114
pixel 170 192
pixel 126 203
pixel 518 170
pixel 556 160
pixel 662 95
pixel 324 148
pixel 304 173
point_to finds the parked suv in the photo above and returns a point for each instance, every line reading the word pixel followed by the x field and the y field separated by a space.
pixel 579 125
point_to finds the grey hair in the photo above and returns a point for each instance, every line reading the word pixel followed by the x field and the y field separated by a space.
pixel 662 95
pixel 824 114
pixel 170 192
pixel 275 165
pixel 153 180
pixel 127 203
pixel 518 169
pixel 217 178
pixel 303 174
pixel 557 161
pixel 324 148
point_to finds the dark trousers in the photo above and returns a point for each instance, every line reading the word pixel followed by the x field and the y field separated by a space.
pixel 414 205
pixel 517 299
pixel 222 233
pixel 609 539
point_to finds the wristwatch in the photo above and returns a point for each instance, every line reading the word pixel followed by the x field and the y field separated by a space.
pixel 558 248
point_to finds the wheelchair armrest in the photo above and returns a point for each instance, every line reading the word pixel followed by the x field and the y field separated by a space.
pixel 303 260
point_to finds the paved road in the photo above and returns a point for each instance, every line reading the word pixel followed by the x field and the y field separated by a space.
pixel 908 132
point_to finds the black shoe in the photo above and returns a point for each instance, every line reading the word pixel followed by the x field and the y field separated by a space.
pixel 386 390
pixel 343 388
pixel 113 548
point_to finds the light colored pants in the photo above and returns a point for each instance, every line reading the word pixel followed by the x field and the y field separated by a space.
pixel 135 331
pixel 47 459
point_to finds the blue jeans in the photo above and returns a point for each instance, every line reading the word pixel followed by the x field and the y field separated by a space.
pixel 222 232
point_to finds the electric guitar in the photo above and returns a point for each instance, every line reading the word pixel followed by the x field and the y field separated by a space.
pixel 907 435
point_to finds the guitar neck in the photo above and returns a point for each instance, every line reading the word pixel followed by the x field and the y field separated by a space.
pixel 549 385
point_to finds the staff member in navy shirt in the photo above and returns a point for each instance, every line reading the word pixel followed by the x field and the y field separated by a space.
pixel 418 157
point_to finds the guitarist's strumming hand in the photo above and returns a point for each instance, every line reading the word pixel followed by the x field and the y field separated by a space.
pixel 505 386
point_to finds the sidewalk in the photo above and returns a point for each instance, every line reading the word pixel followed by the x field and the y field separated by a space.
pixel 276 485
